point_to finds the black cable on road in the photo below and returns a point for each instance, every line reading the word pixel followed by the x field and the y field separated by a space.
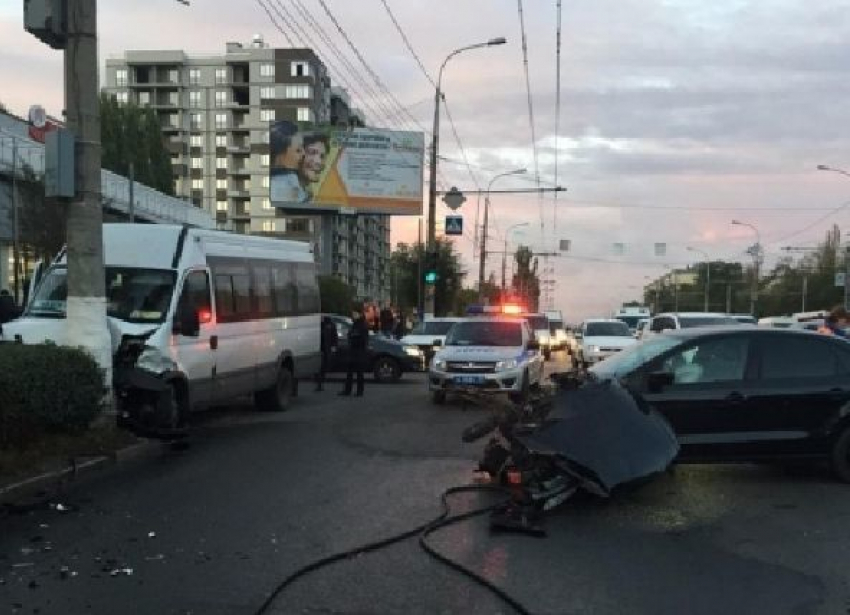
pixel 423 531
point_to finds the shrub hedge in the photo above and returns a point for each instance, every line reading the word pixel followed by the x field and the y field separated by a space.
pixel 46 389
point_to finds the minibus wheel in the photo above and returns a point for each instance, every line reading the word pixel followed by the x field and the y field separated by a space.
pixel 277 398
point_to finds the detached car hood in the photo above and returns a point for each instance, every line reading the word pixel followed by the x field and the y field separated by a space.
pixel 605 435
pixel 480 353
pixel 608 342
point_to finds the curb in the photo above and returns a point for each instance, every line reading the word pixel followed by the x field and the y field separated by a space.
pixel 74 470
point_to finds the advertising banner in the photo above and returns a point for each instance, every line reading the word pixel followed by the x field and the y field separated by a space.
pixel 337 170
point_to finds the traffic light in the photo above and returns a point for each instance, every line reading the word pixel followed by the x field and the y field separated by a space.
pixel 431 268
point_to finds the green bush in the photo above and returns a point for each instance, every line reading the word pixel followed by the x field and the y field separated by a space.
pixel 46 389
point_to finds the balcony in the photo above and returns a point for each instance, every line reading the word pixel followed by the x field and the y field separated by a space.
pixel 235 193
pixel 240 212
pixel 239 170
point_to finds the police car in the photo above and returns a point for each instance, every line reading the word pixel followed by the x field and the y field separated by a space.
pixel 487 354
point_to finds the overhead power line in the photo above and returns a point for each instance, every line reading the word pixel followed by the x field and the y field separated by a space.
pixel 407 43
pixel 530 103
pixel 557 108
pixel 275 24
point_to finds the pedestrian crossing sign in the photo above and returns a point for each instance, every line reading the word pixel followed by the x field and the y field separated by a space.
pixel 454 225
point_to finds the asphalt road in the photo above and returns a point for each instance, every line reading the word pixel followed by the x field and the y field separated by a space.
pixel 213 529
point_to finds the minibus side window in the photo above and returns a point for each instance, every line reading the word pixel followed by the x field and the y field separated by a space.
pixel 195 296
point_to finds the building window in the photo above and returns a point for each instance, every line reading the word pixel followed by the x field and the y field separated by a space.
pixel 298 225
pixel 299 91
pixel 121 77
pixel 195 121
pixel 221 162
pixel 300 69
pixel 304 114
pixel 264 136
pixel 196 141
pixel 267 115
pixel 265 181
pixel 266 204
pixel 264 160
pixel 144 98
pixel 267 93
pixel 220 98
pixel 221 140
pixel 220 121
pixel 221 184
pixel 194 76
pixel 195 99
pixel 221 205
pixel 122 97
pixel 174 98
pixel 269 226
pixel 174 120
pixel 197 184
pixel 197 162
pixel 266 70
pixel 220 76
pixel 172 76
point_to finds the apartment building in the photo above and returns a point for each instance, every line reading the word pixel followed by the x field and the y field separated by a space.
pixel 215 113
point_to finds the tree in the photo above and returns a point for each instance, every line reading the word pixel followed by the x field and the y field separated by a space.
pixel 132 134
pixel 337 296
pixel 42 220
pixel 406 277
pixel 526 283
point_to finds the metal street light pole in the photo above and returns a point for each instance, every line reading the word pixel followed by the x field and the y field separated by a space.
pixel 505 253
pixel 482 265
pixel 435 150
pixel 755 251
pixel 823 167
pixel 706 301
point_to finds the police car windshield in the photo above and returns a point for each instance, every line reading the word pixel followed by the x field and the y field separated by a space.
pixel 432 328
pixel 485 334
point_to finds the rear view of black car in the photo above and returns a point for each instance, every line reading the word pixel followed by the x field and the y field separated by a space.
pixel 745 394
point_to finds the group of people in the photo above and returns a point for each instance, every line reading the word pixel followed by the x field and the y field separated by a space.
pixel 365 319
pixel 297 163
pixel 836 323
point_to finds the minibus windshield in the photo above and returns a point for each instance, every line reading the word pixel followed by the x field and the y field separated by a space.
pixel 133 295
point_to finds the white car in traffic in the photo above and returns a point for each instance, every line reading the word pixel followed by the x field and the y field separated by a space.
pixel 602 338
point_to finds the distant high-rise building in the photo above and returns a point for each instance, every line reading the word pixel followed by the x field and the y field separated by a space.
pixel 215 113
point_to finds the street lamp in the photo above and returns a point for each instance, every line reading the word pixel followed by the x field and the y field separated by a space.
pixel 505 253
pixel 755 252
pixel 483 264
pixel 435 150
pixel 707 275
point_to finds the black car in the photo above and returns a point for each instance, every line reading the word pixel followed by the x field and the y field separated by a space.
pixel 387 358
pixel 745 393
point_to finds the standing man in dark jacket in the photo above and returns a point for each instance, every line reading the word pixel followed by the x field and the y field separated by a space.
pixel 387 321
pixel 358 342
pixel 8 310
pixel 330 340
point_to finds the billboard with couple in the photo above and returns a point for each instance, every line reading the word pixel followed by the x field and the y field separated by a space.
pixel 358 170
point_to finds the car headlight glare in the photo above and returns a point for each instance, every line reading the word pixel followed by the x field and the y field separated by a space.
pixel 413 351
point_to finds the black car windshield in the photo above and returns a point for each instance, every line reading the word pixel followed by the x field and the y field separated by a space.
pixel 688 322
pixel 555 326
pixel 633 357
pixel 132 295
pixel 432 327
pixel 538 323
pixel 607 329
pixel 485 334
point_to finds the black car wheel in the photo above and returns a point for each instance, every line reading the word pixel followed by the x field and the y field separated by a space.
pixel 840 456
pixel 387 369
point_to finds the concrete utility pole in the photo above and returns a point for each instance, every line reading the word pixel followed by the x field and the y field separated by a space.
pixel 86 307
pixel 16 232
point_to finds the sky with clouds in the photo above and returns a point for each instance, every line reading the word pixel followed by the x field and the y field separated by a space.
pixel 676 116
